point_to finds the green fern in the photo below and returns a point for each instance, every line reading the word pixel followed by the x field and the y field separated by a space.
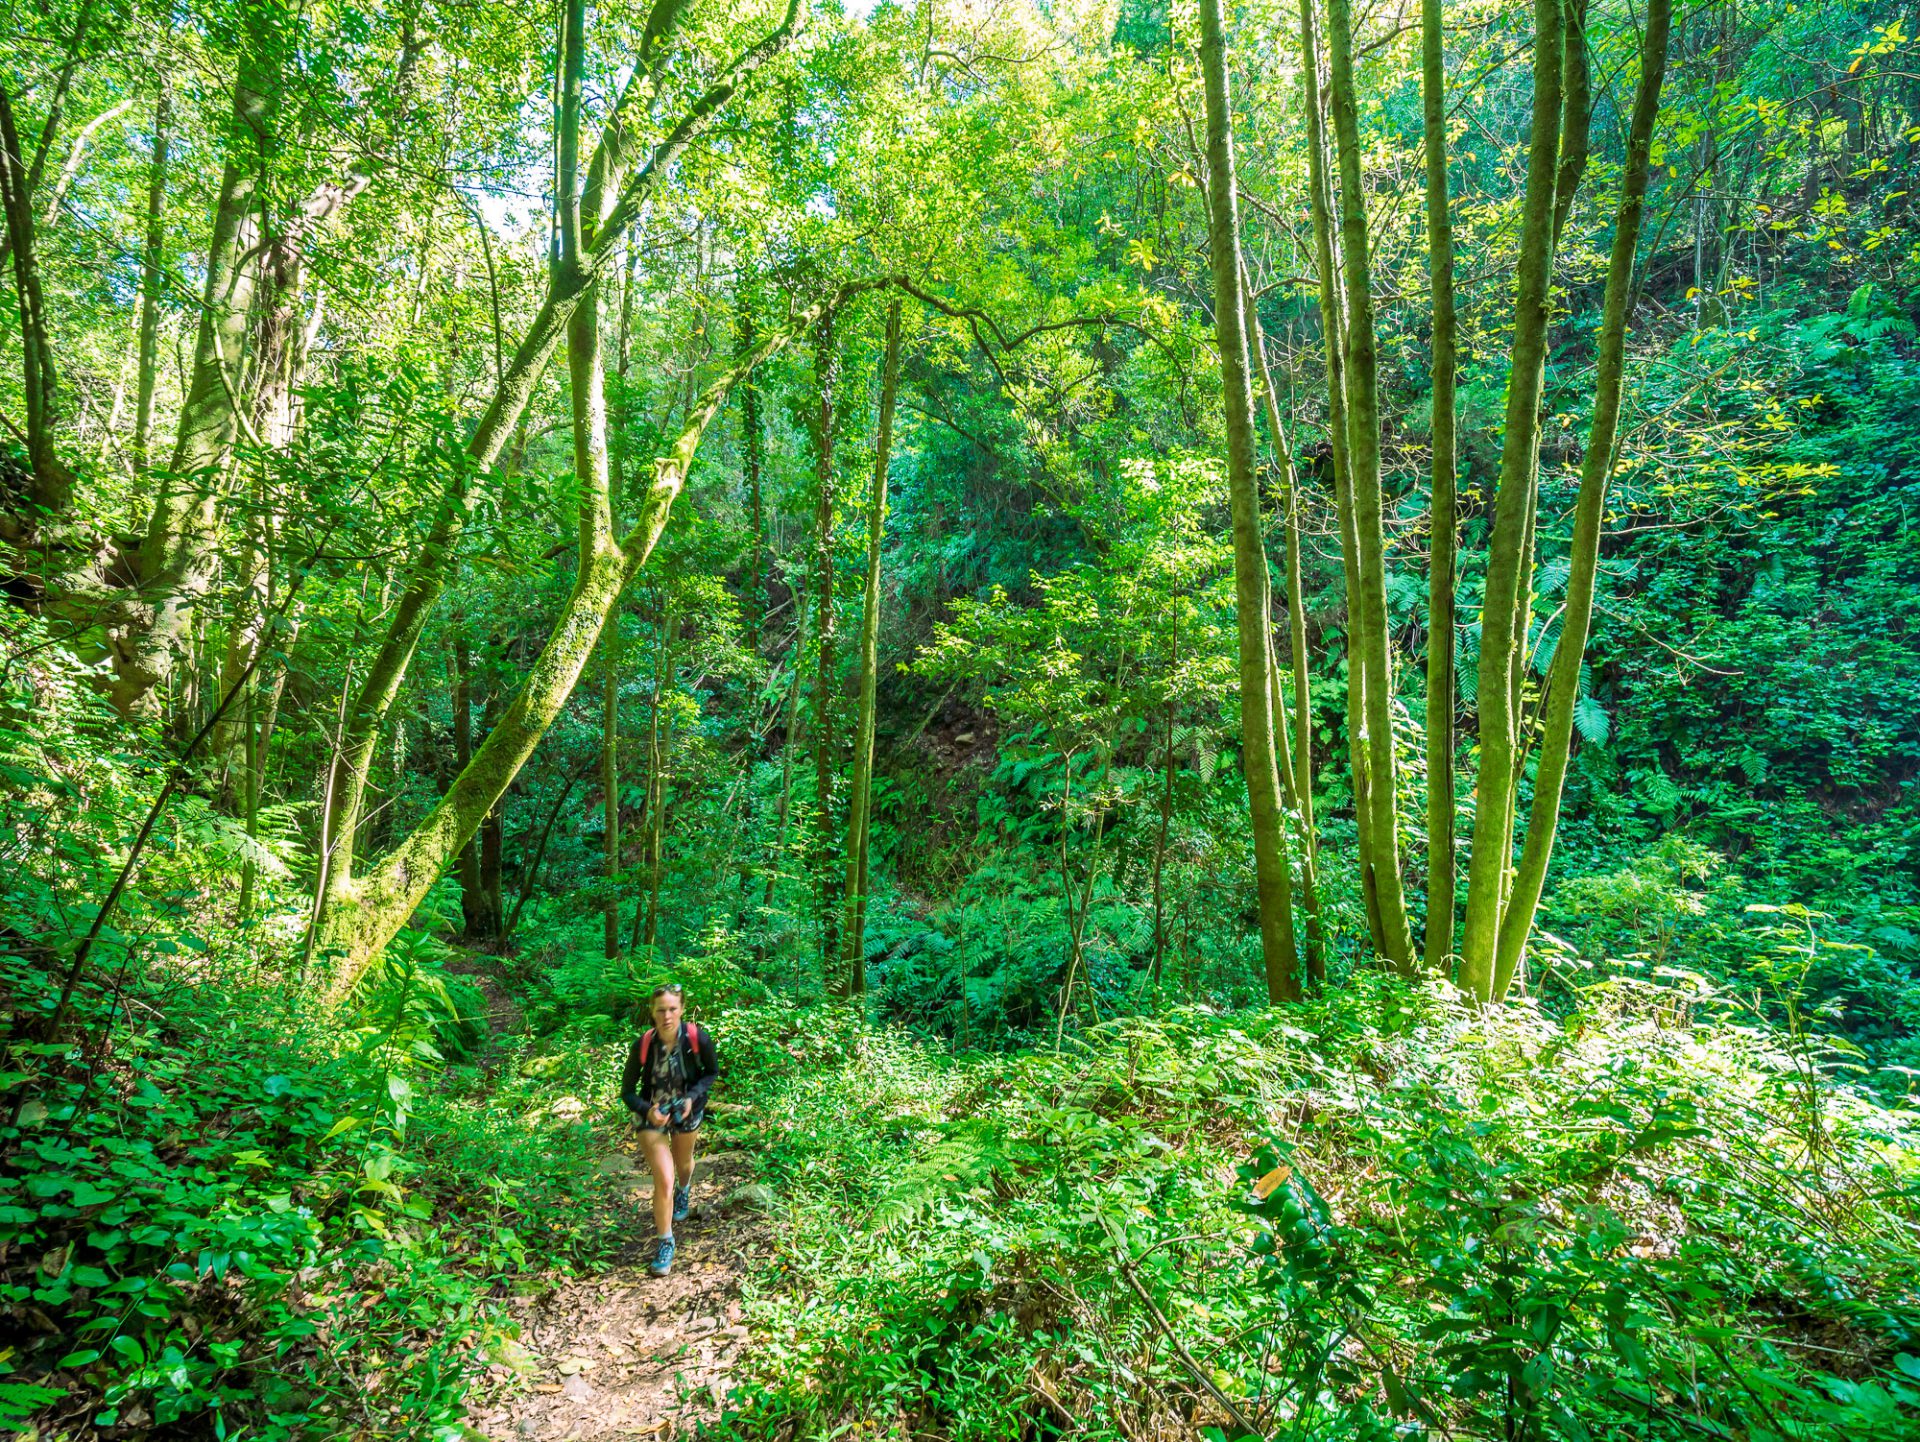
pixel 968 1153
pixel 1590 719
pixel 1198 744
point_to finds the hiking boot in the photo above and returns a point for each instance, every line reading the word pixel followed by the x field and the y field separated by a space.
pixel 682 1201
pixel 662 1262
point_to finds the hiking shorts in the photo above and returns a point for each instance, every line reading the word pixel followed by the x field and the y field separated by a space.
pixel 676 1126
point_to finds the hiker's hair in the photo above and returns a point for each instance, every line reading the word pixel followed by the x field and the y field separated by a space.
pixel 668 988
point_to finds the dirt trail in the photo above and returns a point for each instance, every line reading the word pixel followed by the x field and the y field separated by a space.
pixel 504 1015
pixel 626 1354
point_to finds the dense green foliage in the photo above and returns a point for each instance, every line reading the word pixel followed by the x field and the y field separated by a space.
pixel 320 679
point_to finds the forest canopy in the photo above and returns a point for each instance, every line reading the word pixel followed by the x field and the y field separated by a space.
pixel 1260 662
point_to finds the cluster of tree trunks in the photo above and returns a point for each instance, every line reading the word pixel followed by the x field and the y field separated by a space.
pixel 1502 897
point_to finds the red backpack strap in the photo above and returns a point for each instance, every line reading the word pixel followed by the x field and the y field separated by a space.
pixel 646 1040
pixel 693 1040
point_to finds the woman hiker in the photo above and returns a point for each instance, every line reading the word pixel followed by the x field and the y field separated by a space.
pixel 670 1069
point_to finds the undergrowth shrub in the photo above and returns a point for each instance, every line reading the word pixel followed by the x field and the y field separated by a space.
pixel 223 1212
pixel 219 1217
pixel 1377 1215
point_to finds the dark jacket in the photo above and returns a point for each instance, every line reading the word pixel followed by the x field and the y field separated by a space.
pixel 697 1059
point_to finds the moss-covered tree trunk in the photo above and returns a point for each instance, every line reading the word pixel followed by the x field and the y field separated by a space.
pixel 1368 623
pixel 1278 948
pixel 859 801
pixel 1563 686
pixel 1296 769
pixel 1333 328
pixel 178 555
pixel 1508 546
pixel 1442 564
pixel 826 375
pixel 617 184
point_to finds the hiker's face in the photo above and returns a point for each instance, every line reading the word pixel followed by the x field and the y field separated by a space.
pixel 666 1011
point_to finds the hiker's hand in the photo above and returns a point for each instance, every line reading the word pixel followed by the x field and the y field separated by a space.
pixel 655 1117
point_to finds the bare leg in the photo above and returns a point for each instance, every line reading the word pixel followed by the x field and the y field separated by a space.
pixel 660 1163
pixel 683 1157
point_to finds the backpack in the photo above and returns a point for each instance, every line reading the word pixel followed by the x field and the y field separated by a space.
pixel 693 1037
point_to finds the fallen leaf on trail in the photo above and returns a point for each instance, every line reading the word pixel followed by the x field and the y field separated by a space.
pixel 1268 1184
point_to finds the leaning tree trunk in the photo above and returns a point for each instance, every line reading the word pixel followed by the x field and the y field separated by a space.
pixel 1563 687
pixel 1492 846
pixel 614 193
pixel 365 916
pixel 859 803
pixel 1271 872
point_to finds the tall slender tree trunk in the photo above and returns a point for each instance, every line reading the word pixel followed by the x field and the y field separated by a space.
pixel 1296 770
pixel 645 919
pixel 153 255
pixel 1563 687
pixel 826 375
pixel 492 887
pixel 610 641
pixel 789 748
pixel 657 838
pixel 752 460
pixel 1442 565
pixel 1273 881
pixel 1369 625
pixel 610 782
pixel 859 803
pixel 1333 327
pixel 1166 815
pixel 472 896
pixel 50 485
pixel 1490 859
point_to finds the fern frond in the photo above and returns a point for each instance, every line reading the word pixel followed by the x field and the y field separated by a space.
pixel 1590 719
pixel 967 1154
